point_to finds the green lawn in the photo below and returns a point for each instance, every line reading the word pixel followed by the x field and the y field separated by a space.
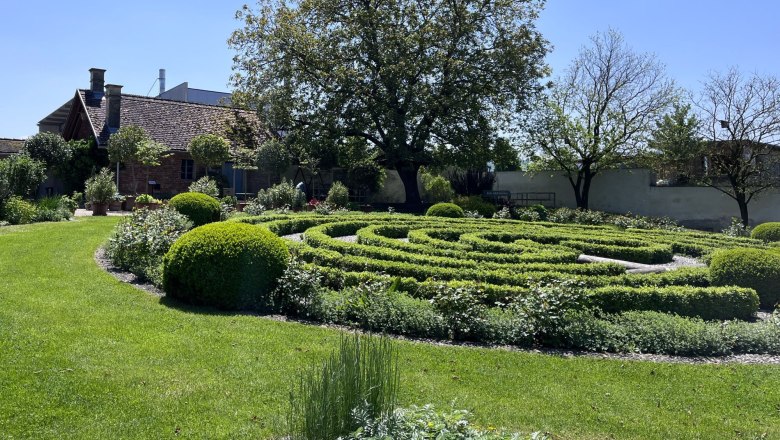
pixel 85 356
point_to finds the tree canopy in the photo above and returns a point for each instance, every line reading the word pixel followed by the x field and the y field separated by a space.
pixel 600 112
pixel 401 75
pixel 675 145
pixel 49 148
pixel 741 124
pixel 209 150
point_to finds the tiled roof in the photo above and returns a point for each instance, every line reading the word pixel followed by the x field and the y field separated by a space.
pixel 9 146
pixel 173 123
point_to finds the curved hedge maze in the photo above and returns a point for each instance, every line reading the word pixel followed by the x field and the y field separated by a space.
pixel 503 257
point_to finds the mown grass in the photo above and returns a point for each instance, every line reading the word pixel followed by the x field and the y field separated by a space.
pixel 85 356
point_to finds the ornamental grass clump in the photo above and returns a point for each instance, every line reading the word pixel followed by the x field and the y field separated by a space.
pixel 232 266
pixel 357 382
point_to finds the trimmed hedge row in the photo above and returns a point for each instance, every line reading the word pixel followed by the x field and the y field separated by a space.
pixel 704 302
pixel 502 258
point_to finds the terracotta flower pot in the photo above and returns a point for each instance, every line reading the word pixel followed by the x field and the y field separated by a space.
pixel 129 203
pixel 99 208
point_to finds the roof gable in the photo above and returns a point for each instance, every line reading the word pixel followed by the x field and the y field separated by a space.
pixel 172 123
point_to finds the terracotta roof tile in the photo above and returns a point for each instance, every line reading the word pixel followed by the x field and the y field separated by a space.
pixel 173 123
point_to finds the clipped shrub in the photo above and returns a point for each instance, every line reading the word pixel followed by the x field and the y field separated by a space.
pixel 445 210
pixel 767 232
pixel 205 185
pixel 338 195
pixel 703 302
pixel 225 265
pixel 754 268
pixel 476 204
pixel 18 211
pixel 199 208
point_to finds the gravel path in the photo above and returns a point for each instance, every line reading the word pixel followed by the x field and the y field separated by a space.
pixel 677 262
pixel 88 213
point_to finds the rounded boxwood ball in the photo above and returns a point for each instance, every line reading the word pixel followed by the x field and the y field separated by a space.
pixel 767 232
pixel 445 210
pixel 225 265
pixel 745 267
pixel 198 207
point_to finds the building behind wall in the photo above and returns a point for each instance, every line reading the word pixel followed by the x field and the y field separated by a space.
pixel 100 110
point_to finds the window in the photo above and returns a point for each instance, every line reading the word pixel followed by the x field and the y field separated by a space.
pixel 187 168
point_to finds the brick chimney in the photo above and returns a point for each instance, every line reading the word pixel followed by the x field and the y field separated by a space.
pixel 96 81
pixel 113 105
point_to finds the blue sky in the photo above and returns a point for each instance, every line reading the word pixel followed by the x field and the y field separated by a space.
pixel 46 51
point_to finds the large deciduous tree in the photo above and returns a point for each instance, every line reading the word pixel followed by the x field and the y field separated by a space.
pixel 402 75
pixel 741 124
pixel 599 113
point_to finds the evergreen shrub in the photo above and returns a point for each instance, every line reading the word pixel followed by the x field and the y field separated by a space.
pixel 768 232
pixel 198 207
pixel 445 210
pixel 228 265
pixel 754 268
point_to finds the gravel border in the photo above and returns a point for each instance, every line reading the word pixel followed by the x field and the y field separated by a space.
pixel 745 359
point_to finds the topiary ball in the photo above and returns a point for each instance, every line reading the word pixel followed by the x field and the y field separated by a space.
pixel 476 204
pixel 232 266
pixel 198 207
pixel 755 268
pixel 767 232
pixel 445 210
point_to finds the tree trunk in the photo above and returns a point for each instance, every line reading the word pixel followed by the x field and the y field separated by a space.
pixel 408 174
pixel 587 178
pixel 743 208
pixel 581 188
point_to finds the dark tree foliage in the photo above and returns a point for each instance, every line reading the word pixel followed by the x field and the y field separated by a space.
pixel 402 75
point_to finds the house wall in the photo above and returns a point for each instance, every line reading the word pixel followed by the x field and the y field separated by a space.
pixel 631 191
pixel 167 175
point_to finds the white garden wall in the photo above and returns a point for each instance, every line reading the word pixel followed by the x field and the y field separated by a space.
pixel 631 191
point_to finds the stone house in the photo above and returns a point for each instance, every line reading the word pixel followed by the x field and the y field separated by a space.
pixel 102 109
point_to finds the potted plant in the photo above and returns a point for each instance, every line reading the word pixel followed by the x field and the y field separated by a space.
pixel 146 201
pixel 129 203
pixel 99 190
pixel 115 204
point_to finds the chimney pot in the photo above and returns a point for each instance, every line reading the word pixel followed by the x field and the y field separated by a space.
pixel 114 105
pixel 96 81
pixel 162 81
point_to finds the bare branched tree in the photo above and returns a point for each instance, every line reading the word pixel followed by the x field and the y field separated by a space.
pixel 600 113
pixel 741 123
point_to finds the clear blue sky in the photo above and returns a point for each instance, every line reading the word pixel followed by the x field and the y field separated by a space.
pixel 47 49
